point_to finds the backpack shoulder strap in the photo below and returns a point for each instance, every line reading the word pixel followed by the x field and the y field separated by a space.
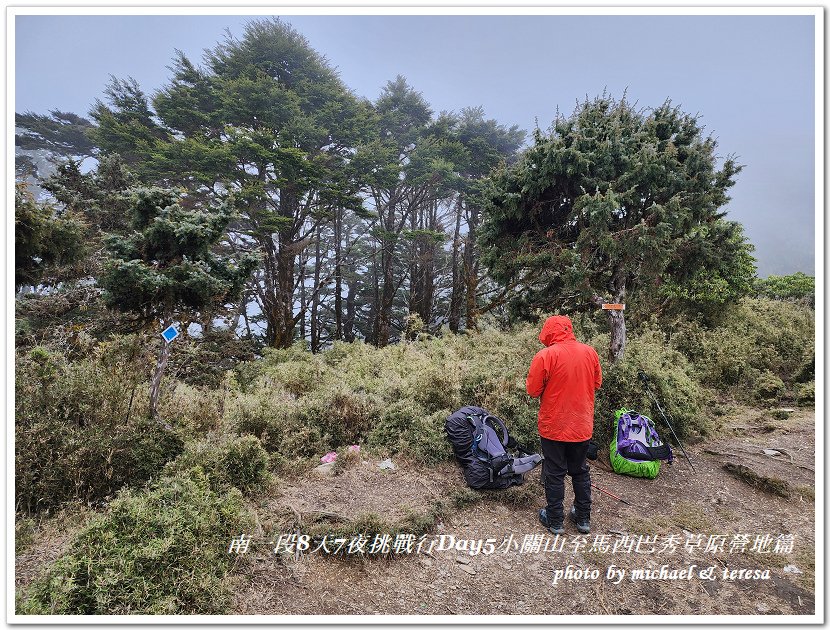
pixel 502 426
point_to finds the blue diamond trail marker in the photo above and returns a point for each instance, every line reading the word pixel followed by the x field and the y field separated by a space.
pixel 170 333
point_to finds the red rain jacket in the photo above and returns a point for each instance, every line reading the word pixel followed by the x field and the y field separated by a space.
pixel 565 373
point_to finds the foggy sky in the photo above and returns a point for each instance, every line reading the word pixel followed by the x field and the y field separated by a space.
pixel 750 78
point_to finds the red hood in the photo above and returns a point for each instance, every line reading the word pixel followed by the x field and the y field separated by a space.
pixel 557 329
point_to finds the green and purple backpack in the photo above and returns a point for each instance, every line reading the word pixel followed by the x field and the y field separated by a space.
pixel 636 449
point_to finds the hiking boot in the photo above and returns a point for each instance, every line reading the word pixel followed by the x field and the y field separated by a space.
pixel 555 527
pixel 583 523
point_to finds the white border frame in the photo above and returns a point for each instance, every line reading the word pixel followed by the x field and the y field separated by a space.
pixel 375 7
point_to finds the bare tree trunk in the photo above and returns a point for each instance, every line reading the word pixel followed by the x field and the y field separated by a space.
pixel 373 322
pixel 617 346
pixel 338 276
pixel 284 336
pixel 241 309
pixel 315 300
pixel 471 269
pixel 414 266
pixel 348 324
pixel 303 296
pixel 457 286
pixel 387 297
pixel 426 284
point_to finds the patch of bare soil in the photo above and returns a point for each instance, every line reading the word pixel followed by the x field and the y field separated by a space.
pixel 361 490
pixel 681 505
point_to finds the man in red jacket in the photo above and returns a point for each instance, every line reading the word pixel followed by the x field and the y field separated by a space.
pixel 565 373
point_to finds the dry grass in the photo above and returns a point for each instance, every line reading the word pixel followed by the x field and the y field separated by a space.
pixel 43 539
pixel 771 485
pixel 691 516
pixel 805 559
pixel 656 524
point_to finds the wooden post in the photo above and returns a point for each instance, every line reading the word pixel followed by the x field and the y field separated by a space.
pixel 616 312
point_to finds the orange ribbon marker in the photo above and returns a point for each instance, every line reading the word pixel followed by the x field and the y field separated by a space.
pixel 613 307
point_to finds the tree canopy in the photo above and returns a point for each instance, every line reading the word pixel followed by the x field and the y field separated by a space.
pixel 614 202
pixel 44 241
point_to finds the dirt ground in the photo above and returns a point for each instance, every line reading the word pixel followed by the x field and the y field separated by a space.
pixel 692 505
pixel 681 507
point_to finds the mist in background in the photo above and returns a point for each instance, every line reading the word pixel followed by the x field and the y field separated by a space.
pixel 751 79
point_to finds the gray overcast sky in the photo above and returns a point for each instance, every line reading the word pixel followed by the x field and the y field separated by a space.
pixel 751 79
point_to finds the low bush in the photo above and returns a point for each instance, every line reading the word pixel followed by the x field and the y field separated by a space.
pixel 202 361
pixel 254 412
pixel 228 461
pixel 797 287
pixel 80 427
pixel 347 458
pixel 805 393
pixel 760 350
pixel 393 424
pixel 194 411
pixel 56 462
pixel 671 382
pixel 158 551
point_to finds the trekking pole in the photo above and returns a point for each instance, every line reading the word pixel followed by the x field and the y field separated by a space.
pixel 610 494
pixel 644 378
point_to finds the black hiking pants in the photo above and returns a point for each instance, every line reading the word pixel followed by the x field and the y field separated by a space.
pixel 563 458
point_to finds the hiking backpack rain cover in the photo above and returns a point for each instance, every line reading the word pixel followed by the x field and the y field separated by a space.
pixel 479 442
pixel 636 449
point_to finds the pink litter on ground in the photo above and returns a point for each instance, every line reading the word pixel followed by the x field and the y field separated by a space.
pixel 328 457
pixel 354 447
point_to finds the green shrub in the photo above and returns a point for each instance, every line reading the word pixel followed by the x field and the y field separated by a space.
pixel 203 361
pixel 426 439
pixel 671 382
pixel 254 412
pixel 158 551
pixel 329 418
pixel 233 461
pixel 80 427
pixel 192 410
pixel 298 441
pixel 796 287
pixel 405 428
pixel 806 392
pixel 294 369
pixel 395 421
pixel 55 463
pixel 768 386
pixel 757 343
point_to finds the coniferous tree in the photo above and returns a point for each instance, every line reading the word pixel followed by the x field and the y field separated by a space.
pixel 165 268
pixel 44 241
pixel 410 167
pixel 267 120
pixel 487 144
pixel 60 135
pixel 615 202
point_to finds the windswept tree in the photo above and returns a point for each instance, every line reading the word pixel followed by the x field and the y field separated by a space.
pixel 126 125
pixel 487 144
pixel 267 120
pixel 166 268
pixel 614 203
pixel 58 136
pixel 45 242
pixel 409 167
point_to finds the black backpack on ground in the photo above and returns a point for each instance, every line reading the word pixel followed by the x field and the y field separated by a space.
pixel 480 443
